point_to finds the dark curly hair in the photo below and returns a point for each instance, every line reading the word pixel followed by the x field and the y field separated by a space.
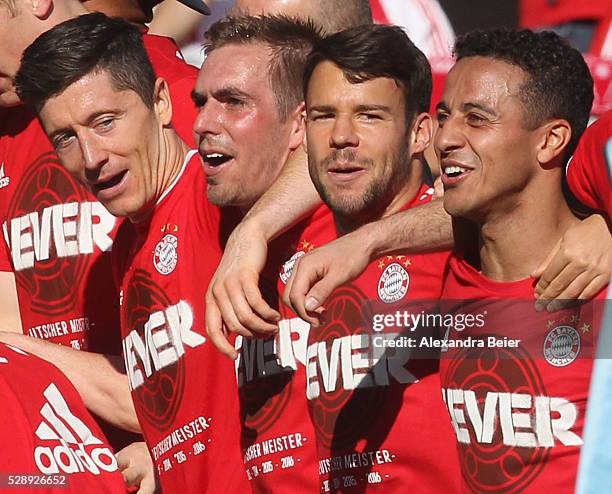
pixel 559 84
pixel 371 51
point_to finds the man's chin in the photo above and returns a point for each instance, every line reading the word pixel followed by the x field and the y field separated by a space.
pixel 147 7
pixel 9 99
pixel 218 195
pixel 459 209
pixel 345 204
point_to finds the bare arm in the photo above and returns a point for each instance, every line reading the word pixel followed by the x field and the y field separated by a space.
pixel 426 228
pixel 577 269
pixel 317 274
pixel 99 379
pixel 233 298
pixel 175 20
pixel 9 305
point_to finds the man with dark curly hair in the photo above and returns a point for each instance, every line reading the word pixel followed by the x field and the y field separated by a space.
pixel 514 107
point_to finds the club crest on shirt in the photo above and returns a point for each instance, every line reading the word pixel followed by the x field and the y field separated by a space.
pixel 561 346
pixel 165 255
pixel 393 283
pixel 288 266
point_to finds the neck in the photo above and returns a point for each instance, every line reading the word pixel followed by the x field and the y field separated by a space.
pixel 61 11
pixel 173 154
pixel 517 239
pixel 405 187
pixel 130 10
pixel 170 158
pixel 274 174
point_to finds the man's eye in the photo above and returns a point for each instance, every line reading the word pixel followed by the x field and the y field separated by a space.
pixel 61 141
pixel 369 116
pixel 441 117
pixel 321 116
pixel 198 100
pixel 475 119
pixel 234 102
pixel 106 123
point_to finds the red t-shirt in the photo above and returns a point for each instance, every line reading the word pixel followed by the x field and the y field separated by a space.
pixel 587 171
pixel 278 439
pixel 542 13
pixel 47 431
pixel 379 420
pixel 515 382
pixel 57 237
pixel 183 389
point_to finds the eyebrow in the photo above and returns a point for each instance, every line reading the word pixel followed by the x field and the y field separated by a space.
pixel 198 98
pixel 442 106
pixel 322 108
pixel 372 107
pixel 358 108
pixel 88 121
pixel 465 107
pixel 230 92
pixel 220 94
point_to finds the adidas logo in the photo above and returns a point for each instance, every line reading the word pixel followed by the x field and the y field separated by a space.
pixel 78 449
pixel 4 180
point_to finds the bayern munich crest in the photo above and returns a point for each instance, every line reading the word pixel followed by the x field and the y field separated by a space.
pixel 393 283
pixel 165 255
pixel 561 346
pixel 288 266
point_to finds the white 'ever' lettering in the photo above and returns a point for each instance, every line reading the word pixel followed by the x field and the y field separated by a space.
pixel 72 228
pixel 525 420
pixel 347 362
pixel 166 333
pixel 259 357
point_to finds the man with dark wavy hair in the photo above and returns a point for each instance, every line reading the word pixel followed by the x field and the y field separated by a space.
pixel 373 400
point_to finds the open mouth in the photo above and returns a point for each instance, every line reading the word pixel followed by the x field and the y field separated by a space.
pixel 214 162
pixel 110 183
pixel 216 159
pixel 454 173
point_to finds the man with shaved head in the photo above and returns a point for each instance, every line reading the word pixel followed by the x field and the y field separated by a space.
pixel 137 11
pixel 331 15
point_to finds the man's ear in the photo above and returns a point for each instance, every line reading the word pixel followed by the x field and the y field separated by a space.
pixel 162 102
pixel 298 127
pixel 305 140
pixel 421 133
pixel 554 138
pixel 41 8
